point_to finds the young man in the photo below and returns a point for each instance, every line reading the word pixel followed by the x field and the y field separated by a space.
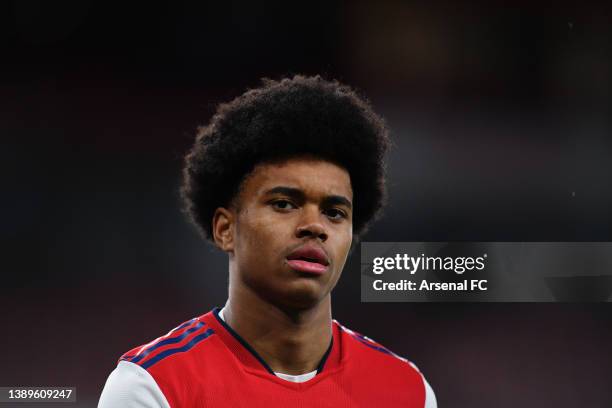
pixel 284 179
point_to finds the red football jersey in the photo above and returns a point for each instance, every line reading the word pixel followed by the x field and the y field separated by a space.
pixel 204 363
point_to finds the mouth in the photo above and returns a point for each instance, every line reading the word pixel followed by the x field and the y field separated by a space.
pixel 308 259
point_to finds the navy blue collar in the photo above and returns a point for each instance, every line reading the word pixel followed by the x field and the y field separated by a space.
pixel 251 350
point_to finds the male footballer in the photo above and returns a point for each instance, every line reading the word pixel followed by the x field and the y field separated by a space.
pixel 283 180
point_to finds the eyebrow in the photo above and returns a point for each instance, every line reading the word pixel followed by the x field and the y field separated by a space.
pixel 299 194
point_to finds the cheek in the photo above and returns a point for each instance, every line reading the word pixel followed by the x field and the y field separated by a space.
pixel 343 246
pixel 258 235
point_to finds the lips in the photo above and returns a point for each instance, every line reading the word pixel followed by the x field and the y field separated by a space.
pixel 309 259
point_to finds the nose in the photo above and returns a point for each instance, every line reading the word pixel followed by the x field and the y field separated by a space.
pixel 310 224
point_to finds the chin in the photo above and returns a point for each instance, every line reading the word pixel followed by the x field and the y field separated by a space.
pixel 304 295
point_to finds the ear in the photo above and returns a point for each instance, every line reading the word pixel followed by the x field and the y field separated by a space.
pixel 223 229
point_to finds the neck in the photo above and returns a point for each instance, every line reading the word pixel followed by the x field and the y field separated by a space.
pixel 289 341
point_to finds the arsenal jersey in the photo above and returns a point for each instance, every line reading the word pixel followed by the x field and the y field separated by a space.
pixel 204 363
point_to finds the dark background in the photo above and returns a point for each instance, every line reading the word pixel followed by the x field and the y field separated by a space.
pixel 500 116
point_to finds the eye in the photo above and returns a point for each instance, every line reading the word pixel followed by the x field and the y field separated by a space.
pixel 335 214
pixel 283 205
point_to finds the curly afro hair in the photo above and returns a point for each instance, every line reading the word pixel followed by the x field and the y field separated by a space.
pixel 282 119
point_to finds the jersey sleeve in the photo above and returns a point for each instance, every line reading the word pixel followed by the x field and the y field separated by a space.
pixel 131 386
pixel 430 397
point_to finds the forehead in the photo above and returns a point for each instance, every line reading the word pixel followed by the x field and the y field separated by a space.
pixel 315 177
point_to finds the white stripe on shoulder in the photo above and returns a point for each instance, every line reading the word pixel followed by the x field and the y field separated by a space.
pixel 131 386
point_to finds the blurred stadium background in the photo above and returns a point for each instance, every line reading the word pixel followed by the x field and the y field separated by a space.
pixel 501 120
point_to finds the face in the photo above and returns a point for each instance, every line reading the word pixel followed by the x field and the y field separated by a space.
pixel 290 230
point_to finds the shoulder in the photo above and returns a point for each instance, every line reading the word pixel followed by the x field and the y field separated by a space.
pixel 173 347
pixel 368 348
pixel 378 361
pixel 158 371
